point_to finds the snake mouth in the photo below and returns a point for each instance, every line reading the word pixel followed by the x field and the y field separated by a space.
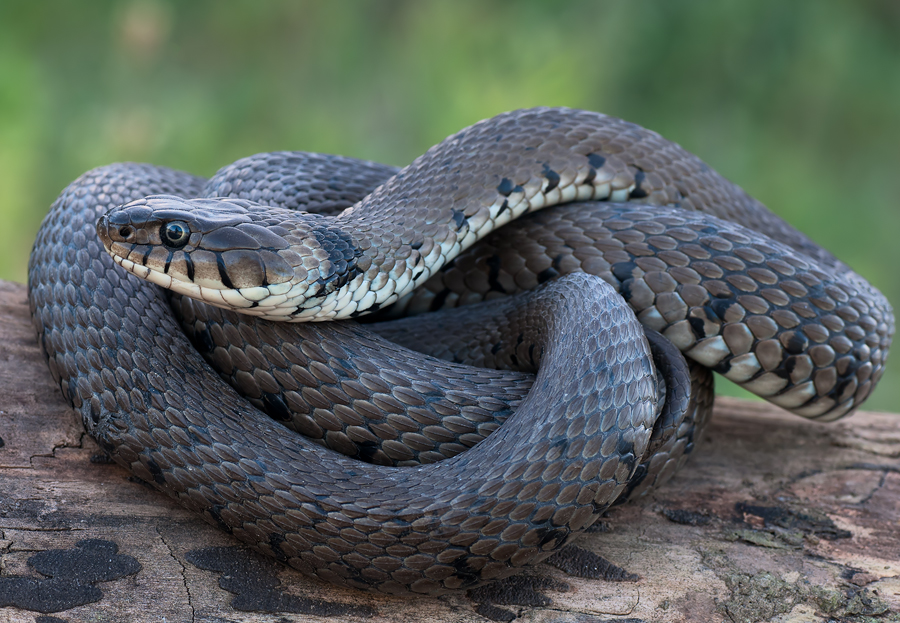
pixel 245 300
pixel 226 298
pixel 279 302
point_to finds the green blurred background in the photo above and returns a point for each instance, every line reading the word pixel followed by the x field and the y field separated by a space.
pixel 799 102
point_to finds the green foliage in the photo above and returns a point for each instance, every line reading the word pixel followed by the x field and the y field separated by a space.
pixel 796 101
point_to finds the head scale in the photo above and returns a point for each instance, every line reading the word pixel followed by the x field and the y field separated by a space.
pixel 232 253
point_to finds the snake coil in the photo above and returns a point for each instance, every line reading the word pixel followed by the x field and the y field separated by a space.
pixel 585 412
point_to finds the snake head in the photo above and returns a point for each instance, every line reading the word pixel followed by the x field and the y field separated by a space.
pixel 232 253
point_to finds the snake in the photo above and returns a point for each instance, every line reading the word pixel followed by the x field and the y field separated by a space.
pixel 625 272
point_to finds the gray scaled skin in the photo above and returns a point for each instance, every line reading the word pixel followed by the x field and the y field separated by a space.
pixel 714 289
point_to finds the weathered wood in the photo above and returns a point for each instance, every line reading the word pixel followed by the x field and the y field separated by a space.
pixel 775 519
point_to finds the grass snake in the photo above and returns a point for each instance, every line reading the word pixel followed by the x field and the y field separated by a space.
pixel 584 307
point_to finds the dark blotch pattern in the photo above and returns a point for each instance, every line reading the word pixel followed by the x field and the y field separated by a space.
pixel 70 577
pixel 257 589
pixel 581 563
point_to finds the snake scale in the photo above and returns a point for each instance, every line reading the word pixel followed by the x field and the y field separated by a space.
pixel 469 474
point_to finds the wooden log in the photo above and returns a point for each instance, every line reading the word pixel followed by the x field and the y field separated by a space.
pixel 774 519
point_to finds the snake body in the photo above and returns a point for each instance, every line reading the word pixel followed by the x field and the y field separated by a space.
pixel 756 301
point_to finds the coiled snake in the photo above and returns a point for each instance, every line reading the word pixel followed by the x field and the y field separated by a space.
pixel 732 286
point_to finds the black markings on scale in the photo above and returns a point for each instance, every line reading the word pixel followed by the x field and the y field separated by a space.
pixel 552 178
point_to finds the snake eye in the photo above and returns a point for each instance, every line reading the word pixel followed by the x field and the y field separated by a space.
pixel 175 234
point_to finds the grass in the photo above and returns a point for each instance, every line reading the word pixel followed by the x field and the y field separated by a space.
pixel 798 102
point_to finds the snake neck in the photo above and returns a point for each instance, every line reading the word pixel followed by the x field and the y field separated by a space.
pixel 404 232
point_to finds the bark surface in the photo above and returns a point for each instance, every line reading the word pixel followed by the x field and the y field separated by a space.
pixel 774 519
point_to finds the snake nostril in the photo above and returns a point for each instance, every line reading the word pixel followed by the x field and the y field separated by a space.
pixel 125 231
